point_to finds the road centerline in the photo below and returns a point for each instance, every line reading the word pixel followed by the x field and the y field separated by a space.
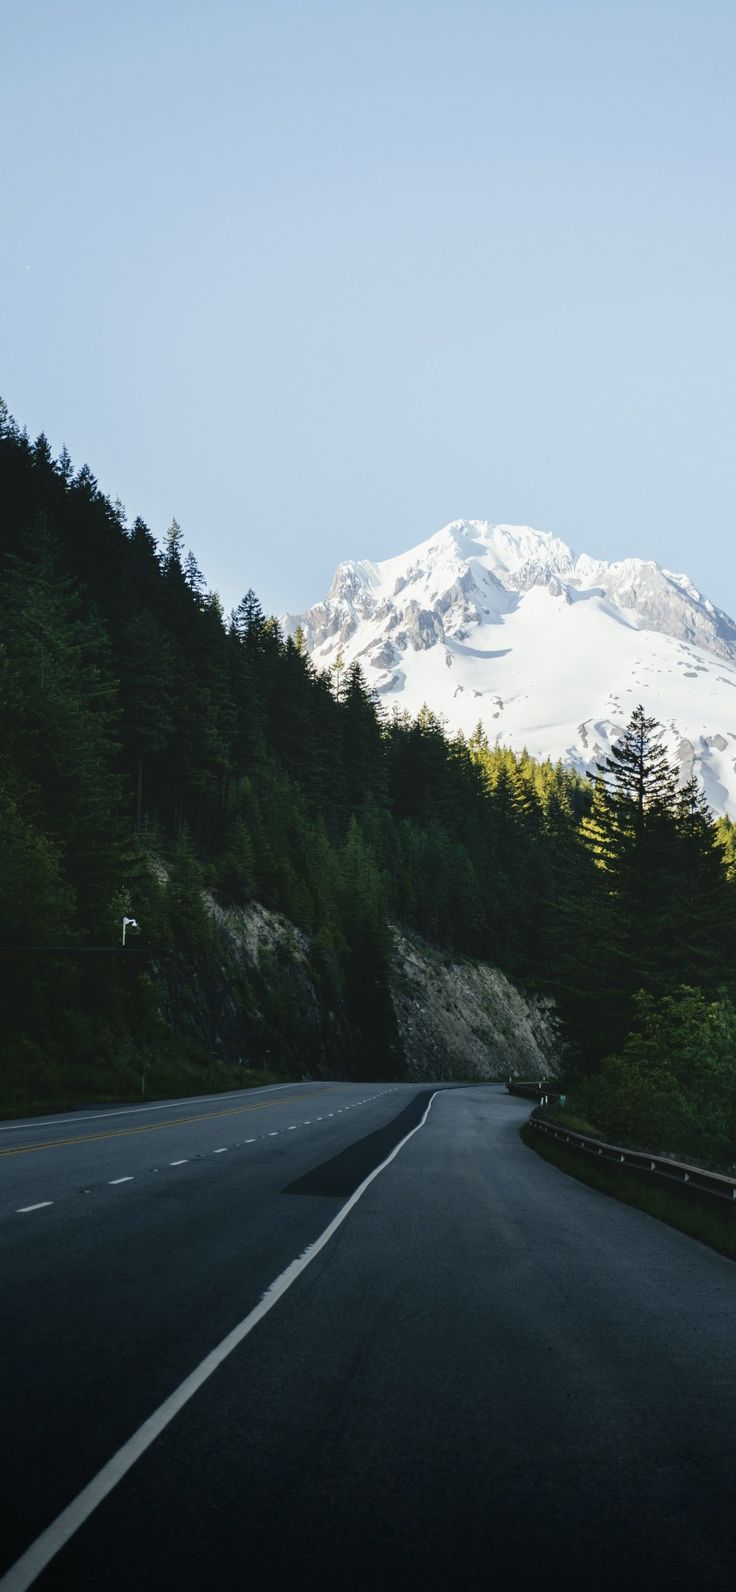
pixel 132 1111
pixel 151 1127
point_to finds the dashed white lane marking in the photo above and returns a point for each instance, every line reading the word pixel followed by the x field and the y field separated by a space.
pixel 22 1210
pixel 25 1571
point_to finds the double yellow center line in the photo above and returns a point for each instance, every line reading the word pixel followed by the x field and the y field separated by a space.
pixel 156 1127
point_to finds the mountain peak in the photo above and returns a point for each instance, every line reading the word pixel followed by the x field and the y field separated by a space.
pixel 549 650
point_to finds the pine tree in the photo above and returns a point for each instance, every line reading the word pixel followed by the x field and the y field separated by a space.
pixel 193 575
pixel 190 924
pixel 147 668
pixel 173 548
pixel 248 622
pixel 63 742
pixel 237 869
pixel 703 909
pixel 8 428
pixel 362 743
pixel 638 770
pixel 642 837
pixel 725 831
pixel 86 484
pixel 336 673
pixel 367 957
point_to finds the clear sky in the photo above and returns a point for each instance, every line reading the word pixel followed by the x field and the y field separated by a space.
pixel 317 276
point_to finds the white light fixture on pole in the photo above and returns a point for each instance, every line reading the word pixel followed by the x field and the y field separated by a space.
pixel 128 923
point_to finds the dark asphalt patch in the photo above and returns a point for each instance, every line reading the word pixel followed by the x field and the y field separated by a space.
pixel 340 1176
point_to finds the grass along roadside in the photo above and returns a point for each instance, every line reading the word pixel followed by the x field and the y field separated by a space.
pixel 564 1117
pixel 569 1119
pixel 705 1222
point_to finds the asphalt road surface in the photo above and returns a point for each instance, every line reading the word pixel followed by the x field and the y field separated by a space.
pixel 481 1373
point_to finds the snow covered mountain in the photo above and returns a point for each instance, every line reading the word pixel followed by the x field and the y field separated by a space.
pixel 504 624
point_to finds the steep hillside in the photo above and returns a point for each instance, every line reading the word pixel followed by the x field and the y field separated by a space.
pixel 257 1001
pixel 157 754
pixel 459 1018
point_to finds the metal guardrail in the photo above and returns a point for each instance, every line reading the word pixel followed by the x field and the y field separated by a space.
pixel 653 1168
pixel 538 1090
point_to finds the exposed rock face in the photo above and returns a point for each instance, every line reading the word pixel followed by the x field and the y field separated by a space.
pixel 462 1019
pixel 255 1000
pixel 423 628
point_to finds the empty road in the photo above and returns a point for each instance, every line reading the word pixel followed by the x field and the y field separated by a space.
pixel 471 1371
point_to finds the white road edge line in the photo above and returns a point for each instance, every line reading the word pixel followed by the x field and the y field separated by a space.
pixel 28 1567
pixel 113 1180
pixel 23 1209
pixel 133 1111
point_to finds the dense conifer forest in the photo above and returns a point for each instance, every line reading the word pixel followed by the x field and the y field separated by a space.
pixel 154 748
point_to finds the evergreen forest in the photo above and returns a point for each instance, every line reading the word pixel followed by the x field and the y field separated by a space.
pixel 159 757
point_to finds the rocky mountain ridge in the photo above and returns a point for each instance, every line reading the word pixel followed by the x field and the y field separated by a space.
pixel 506 626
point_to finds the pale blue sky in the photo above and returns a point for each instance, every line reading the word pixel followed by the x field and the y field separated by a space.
pixel 318 277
